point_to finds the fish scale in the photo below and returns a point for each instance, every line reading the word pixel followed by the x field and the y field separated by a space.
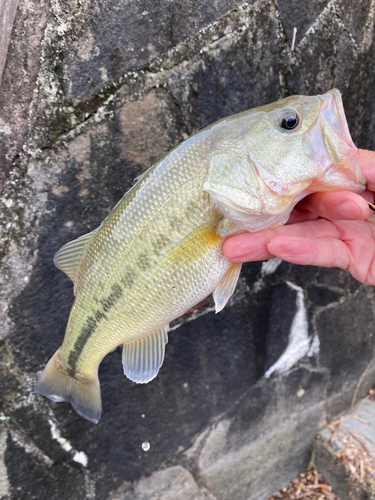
pixel 159 252
pixel 138 254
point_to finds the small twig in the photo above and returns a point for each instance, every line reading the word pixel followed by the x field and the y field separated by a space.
pixel 359 437
pixel 371 206
pixel 304 495
pixel 352 469
pixel 321 485
pixel 292 48
pixel 360 419
pixel 361 468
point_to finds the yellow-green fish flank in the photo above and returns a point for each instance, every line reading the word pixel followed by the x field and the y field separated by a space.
pixel 159 252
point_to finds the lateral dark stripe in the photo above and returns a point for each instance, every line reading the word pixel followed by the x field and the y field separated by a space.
pixel 112 298
pixel 90 326
pixel 86 332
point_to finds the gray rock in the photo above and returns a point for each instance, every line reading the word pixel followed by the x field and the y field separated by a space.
pixel 7 13
pixel 4 481
pixel 265 439
pixel 345 453
pixel 229 75
pixel 347 350
pixel 108 45
pixel 18 74
pixel 168 484
pixel 81 116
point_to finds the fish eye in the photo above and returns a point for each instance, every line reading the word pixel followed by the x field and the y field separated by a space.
pixel 288 119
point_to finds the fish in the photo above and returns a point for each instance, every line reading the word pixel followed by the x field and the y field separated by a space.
pixel 159 252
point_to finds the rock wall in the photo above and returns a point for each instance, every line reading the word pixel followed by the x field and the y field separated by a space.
pixel 92 93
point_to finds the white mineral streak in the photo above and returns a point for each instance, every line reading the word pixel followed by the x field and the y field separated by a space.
pixel 270 266
pixel 299 342
pixel 314 347
pixel 78 456
pixel 328 11
pixel 81 458
pixel 28 446
pixel 4 482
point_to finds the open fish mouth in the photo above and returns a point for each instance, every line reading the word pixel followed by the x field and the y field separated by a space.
pixel 332 110
pixel 341 154
pixel 289 150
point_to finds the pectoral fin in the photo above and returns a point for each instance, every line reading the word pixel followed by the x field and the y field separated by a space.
pixel 226 287
pixel 143 358
pixel 69 256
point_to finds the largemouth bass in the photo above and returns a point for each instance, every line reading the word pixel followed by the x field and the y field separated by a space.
pixel 159 252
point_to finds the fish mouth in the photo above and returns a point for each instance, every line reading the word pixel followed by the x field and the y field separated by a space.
pixel 343 170
pixel 332 109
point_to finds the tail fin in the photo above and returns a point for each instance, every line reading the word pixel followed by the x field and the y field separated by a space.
pixel 83 395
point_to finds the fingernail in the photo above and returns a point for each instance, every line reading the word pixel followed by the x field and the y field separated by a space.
pixel 349 210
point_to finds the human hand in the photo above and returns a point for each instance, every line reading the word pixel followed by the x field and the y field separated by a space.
pixel 344 237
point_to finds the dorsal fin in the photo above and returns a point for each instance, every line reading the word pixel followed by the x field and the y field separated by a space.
pixel 69 256
pixel 143 358
pixel 139 177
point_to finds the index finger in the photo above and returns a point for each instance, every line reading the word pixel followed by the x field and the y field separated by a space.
pixel 245 247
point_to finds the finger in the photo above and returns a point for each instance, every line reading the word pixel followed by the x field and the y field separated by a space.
pixel 298 215
pixel 324 252
pixel 338 205
pixel 247 247
pixel 368 196
pixel 359 237
pixel 367 163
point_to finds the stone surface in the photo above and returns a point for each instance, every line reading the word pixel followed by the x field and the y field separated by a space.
pixel 242 454
pixel 81 116
pixel 345 453
pixel 4 481
pixel 18 78
pixel 109 45
pixel 168 484
pixel 347 349
pixel 7 13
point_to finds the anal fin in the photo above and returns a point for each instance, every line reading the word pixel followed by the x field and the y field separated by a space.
pixel 143 358
pixel 226 287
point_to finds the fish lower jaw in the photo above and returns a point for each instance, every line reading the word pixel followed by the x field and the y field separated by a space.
pixel 337 178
